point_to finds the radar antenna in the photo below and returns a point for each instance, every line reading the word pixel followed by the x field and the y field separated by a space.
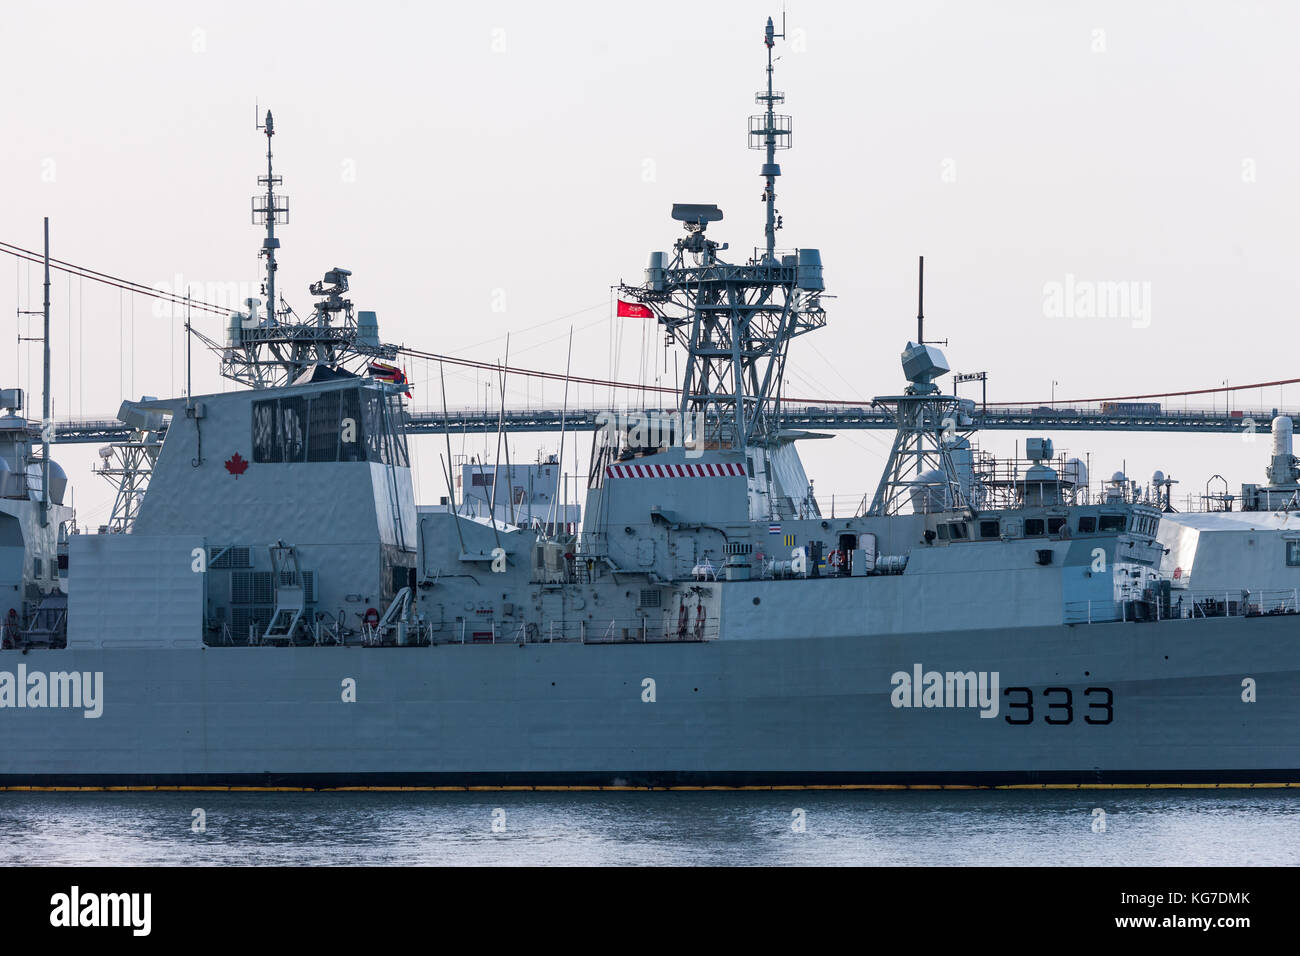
pixel 736 321
pixel 932 432
pixel 277 347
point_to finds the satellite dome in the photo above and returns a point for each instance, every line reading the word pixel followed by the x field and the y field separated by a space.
pixel 58 482
pixel 929 493
pixel 1075 471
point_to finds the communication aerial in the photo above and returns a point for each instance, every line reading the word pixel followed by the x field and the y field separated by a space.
pixel 736 321
pixel 276 347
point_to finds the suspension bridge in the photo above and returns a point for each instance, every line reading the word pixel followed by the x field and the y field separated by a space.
pixel 1125 413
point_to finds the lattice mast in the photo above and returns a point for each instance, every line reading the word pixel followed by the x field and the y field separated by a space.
pixel 264 351
pixel 735 321
pixel 929 425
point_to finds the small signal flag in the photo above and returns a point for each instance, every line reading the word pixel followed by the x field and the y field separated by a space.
pixel 634 310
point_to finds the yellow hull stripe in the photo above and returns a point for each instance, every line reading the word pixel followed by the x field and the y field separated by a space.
pixel 554 788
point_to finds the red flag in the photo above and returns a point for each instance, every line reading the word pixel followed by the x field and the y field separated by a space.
pixel 634 310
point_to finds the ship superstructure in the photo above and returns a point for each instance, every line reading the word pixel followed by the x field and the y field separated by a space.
pixel 278 612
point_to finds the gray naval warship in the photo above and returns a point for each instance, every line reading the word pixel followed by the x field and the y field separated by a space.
pixel 274 611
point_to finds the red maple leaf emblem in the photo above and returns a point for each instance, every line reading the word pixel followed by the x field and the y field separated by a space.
pixel 236 465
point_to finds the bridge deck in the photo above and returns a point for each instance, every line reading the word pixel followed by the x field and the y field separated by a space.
pixel 795 416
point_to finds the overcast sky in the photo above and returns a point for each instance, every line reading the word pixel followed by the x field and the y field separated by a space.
pixel 495 167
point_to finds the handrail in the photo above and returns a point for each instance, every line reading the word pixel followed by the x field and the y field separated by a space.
pixel 1187 604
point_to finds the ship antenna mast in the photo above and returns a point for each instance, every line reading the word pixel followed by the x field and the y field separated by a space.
pixel 736 320
pixel 770 134
pixel 920 306
pixel 277 347
pixel 272 212
pixel 920 301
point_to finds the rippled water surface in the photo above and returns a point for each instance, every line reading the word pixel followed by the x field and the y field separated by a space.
pixel 1170 827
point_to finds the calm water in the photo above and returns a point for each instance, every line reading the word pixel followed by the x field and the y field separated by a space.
pixel 920 828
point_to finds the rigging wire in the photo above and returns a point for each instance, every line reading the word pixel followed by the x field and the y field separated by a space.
pixel 127 285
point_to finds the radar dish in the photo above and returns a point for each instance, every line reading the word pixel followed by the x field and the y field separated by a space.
pixel 695 212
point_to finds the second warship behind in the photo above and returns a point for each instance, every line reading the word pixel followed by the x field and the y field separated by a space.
pixel 275 610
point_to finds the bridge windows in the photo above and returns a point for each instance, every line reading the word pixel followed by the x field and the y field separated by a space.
pixel 355 424
pixel 1112 523
pixel 1088 524
pixel 352 443
pixel 1055 524
pixel 323 432
pixel 989 529
pixel 1034 526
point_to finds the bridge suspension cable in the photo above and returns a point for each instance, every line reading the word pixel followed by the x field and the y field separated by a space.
pixel 138 288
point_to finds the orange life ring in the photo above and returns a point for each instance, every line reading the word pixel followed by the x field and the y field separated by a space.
pixel 372 616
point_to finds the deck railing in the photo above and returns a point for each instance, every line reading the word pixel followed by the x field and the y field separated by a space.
pixel 1189 604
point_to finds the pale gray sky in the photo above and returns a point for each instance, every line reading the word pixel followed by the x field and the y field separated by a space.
pixel 493 168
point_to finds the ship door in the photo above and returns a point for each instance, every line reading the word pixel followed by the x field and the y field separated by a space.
pixel 848 543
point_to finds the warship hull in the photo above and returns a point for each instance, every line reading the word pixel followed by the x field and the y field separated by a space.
pixel 1094 705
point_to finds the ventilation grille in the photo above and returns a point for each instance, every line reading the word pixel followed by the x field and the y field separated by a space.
pixel 308 583
pixel 252 587
pixel 231 557
pixel 649 598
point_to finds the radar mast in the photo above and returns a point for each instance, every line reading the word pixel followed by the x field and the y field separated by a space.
pixel 932 429
pixel 736 321
pixel 276 347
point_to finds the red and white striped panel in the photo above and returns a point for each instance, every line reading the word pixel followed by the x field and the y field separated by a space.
pixel 718 470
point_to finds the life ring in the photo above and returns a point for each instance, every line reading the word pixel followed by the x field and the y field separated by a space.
pixel 699 623
pixel 372 616
pixel 835 560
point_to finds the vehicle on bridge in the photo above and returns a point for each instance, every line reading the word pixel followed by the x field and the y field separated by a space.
pixel 1130 408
